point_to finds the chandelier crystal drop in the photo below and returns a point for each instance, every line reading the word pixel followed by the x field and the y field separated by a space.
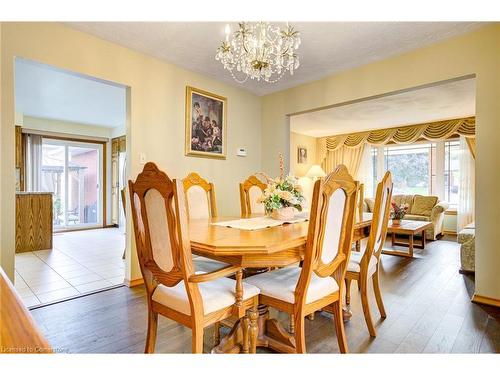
pixel 260 51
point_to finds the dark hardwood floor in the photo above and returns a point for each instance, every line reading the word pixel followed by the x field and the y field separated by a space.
pixel 427 302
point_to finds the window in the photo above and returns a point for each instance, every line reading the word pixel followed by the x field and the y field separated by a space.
pixel 412 168
pixel 72 171
pixel 426 168
pixel 451 172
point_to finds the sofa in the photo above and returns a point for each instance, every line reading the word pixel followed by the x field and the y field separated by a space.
pixel 421 208
pixel 466 239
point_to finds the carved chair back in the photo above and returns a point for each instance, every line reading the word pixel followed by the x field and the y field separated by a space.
pixel 380 218
pixel 161 232
pixel 331 228
pixel 200 196
pixel 250 190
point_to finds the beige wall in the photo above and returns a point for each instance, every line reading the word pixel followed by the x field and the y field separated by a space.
pixel 475 53
pixel 301 140
pixel 156 93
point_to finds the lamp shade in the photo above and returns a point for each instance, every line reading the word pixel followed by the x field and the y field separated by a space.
pixel 316 172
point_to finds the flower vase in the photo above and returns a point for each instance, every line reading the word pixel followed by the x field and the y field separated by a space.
pixel 396 222
pixel 283 214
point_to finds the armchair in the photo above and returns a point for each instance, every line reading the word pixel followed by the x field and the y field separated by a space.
pixel 173 288
pixel 319 283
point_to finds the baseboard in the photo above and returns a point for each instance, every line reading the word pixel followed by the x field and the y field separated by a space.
pixel 485 300
pixel 451 233
pixel 132 283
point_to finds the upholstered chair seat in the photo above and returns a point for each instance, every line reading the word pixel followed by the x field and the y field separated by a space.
pixel 355 263
pixel 216 295
pixel 282 283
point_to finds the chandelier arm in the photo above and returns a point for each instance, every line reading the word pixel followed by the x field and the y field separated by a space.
pixel 243 43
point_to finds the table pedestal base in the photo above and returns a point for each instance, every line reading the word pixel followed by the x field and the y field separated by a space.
pixel 271 334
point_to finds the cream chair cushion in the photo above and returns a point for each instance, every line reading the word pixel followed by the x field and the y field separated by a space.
pixel 281 284
pixel 198 203
pixel 254 193
pixel 158 229
pixel 216 295
pixel 206 265
pixel 355 263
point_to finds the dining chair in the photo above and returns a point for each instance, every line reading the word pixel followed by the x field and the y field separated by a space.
pixel 250 190
pixel 173 287
pixel 201 204
pixel 318 283
pixel 365 265
pixel 200 196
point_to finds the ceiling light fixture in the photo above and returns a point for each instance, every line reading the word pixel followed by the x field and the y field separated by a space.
pixel 260 51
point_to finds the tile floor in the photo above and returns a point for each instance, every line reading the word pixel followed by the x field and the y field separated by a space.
pixel 80 262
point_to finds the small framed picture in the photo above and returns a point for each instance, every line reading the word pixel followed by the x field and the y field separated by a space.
pixel 301 155
pixel 205 124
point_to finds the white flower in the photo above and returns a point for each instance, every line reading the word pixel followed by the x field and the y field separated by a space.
pixel 286 195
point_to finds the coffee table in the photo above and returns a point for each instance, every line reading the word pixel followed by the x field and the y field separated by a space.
pixel 410 228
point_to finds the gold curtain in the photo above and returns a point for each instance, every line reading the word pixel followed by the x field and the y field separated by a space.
pixel 471 142
pixel 433 131
pixel 349 156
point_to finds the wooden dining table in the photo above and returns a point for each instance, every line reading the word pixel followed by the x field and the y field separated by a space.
pixel 258 250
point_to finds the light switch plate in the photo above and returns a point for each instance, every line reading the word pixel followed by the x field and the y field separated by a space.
pixel 241 152
pixel 142 158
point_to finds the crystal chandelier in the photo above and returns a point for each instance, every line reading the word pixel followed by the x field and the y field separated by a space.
pixel 259 51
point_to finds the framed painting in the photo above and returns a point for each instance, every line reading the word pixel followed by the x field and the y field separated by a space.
pixel 206 125
pixel 301 155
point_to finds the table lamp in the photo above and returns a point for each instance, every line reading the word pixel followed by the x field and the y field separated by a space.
pixel 315 172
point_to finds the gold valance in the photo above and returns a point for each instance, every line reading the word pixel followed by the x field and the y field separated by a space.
pixel 433 131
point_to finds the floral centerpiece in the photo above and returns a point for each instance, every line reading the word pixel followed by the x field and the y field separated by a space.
pixel 282 196
pixel 398 212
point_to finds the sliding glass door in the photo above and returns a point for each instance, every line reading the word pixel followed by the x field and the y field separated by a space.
pixel 73 172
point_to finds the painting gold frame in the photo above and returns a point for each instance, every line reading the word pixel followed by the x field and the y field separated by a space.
pixel 189 105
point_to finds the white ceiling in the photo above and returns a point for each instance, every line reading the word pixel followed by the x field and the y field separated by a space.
pixel 442 102
pixel 47 92
pixel 327 47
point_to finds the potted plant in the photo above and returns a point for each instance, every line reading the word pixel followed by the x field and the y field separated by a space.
pixel 398 212
pixel 282 196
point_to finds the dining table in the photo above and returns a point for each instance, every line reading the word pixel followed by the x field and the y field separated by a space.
pixel 258 251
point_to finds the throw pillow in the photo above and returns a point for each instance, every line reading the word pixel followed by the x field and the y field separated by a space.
pixel 423 205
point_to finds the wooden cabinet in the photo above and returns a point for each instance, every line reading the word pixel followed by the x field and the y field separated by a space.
pixel 33 221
